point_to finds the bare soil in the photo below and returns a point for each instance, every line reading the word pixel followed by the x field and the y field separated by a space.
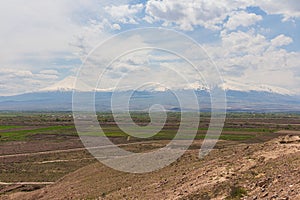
pixel 264 167
pixel 269 170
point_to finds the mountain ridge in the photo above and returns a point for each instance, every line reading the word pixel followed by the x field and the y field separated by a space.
pixel 255 101
pixel 69 84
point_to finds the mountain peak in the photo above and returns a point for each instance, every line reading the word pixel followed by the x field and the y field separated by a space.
pixel 237 86
pixel 67 84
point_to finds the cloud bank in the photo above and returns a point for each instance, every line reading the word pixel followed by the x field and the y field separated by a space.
pixel 252 42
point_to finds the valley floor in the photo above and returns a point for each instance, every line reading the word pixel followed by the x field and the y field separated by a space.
pixel 258 158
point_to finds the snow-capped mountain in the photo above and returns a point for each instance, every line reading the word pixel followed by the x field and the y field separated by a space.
pixel 240 97
pixel 68 84
pixel 236 86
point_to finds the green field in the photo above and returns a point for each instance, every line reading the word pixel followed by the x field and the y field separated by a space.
pixel 238 126
pixel 23 134
pixel 45 147
pixel 7 127
pixel 114 131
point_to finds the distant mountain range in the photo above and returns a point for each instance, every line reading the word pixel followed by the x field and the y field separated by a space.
pixel 252 101
pixel 240 97
pixel 67 84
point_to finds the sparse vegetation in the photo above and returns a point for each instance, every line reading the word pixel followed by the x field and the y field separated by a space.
pixel 236 192
pixel 238 159
pixel 7 127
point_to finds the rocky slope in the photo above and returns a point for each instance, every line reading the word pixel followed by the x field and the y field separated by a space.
pixel 269 170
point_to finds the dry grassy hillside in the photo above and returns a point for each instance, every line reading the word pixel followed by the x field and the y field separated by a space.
pixel 269 170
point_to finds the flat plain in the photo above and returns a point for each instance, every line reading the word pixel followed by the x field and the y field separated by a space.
pixel 257 157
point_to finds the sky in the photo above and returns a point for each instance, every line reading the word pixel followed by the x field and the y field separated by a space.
pixel 254 43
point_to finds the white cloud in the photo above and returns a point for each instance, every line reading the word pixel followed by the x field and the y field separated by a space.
pixel 250 58
pixel 126 14
pixel 49 72
pixel 116 27
pixel 35 27
pixel 89 37
pixel 14 81
pixel 15 73
pixel 289 9
pixel 241 18
pixel 34 34
pixel 281 40
pixel 241 43
pixel 187 14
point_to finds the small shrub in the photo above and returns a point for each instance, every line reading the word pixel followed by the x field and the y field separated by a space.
pixel 237 192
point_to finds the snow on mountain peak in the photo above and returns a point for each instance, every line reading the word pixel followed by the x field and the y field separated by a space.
pixel 233 85
pixel 68 84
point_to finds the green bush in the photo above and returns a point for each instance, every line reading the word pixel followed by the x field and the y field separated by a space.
pixel 237 192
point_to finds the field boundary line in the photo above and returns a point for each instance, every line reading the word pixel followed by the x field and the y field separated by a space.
pixel 27 183
pixel 71 150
